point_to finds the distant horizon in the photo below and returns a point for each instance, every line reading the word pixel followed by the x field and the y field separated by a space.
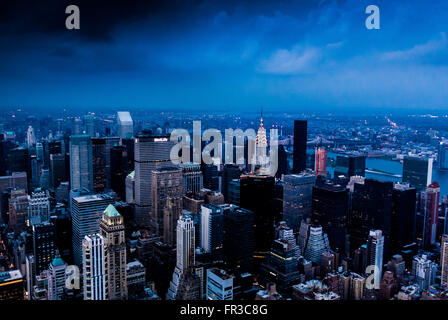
pixel 352 111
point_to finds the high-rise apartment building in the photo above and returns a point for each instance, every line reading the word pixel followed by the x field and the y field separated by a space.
pixel 375 249
pixel 56 278
pixel 320 162
pixel 185 255
pixel 95 267
pixel 444 261
pixel 212 229
pixel 430 205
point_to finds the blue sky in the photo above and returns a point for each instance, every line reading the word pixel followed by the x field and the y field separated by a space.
pixel 228 55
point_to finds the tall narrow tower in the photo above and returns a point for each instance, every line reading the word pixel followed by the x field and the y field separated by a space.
pixel 94 268
pixel 261 143
pixel 444 260
pixel 185 254
pixel 299 151
pixel 112 230
pixel 375 247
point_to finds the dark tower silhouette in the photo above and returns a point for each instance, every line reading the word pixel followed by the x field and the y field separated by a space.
pixel 300 138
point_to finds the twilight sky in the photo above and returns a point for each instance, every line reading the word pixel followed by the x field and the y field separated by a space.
pixel 224 55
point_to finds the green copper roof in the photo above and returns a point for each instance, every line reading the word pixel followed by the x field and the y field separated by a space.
pixel 57 261
pixel 111 211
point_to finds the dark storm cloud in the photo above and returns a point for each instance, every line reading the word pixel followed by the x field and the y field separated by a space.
pixel 99 17
pixel 228 53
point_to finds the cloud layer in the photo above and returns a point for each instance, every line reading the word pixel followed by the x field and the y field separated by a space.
pixel 228 55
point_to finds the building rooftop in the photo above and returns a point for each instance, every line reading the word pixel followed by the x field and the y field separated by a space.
pixel 57 261
pixel 124 117
pixel 220 273
pixel 8 276
pixel 92 197
pixel 111 211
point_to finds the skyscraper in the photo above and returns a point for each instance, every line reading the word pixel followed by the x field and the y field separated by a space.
pixel 256 195
pixel 316 245
pixel 375 247
pixel 125 124
pixel 56 278
pixel 99 164
pixel 430 204
pixel 330 210
pixel 320 162
pixel 44 245
pixel 230 172
pixel 212 229
pixel 282 162
pixel 39 207
pixel 151 152
pixel 166 189
pixel 238 238
pixel 281 265
pixel 57 170
pixel 350 165
pixel 211 178
pixel 192 177
pixel 118 170
pixel 110 143
pixel 300 139
pixel 443 155
pixel 89 125
pixel 30 137
pixel 371 208
pixel 297 198
pixel 185 256
pixel 444 261
pixel 95 267
pixel 86 215
pixel 417 171
pixel 81 162
pixel 403 217
pixel 112 230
